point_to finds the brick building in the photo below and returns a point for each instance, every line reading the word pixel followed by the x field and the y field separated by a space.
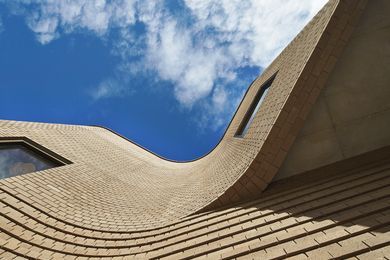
pixel 303 170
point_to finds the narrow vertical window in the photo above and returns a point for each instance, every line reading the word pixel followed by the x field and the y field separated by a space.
pixel 254 107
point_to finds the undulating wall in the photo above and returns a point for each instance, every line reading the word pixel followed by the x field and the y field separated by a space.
pixel 118 201
pixel 114 184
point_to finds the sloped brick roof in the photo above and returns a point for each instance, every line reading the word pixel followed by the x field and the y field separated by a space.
pixel 343 215
pixel 118 200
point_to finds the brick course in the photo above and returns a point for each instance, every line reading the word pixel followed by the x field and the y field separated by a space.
pixel 117 200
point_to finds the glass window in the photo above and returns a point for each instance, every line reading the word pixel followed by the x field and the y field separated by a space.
pixel 254 107
pixel 19 158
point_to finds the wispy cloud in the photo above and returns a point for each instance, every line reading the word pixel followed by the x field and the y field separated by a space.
pixel 200 50
pixel 110 88
pixel 49 18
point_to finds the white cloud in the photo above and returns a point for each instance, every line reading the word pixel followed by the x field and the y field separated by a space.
pixel 111 88
pixel 46 29
pixel 255 30
pixel 192 68
pixel 51 17
pixel 249 33
pixel 200 54
pixel 217 110
pixel 219 98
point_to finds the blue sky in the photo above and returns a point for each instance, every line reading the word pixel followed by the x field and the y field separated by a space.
pixel 166 74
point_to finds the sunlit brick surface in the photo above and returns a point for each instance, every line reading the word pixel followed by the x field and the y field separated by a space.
pixel 118 200
pixel 343 215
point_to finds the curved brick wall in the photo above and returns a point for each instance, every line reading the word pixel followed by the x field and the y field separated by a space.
pixel 116 199
pixel 108 170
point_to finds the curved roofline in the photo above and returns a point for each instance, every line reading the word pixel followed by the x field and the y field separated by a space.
pixel 240 169
pixel 200 157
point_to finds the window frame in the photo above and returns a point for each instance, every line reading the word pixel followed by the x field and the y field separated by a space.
pixel 36 148
pixel 254 107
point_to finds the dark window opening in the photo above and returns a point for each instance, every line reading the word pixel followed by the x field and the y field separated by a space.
pixel 20 157
pixel 254 107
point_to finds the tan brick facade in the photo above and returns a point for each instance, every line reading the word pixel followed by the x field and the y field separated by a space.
pixel 117 200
